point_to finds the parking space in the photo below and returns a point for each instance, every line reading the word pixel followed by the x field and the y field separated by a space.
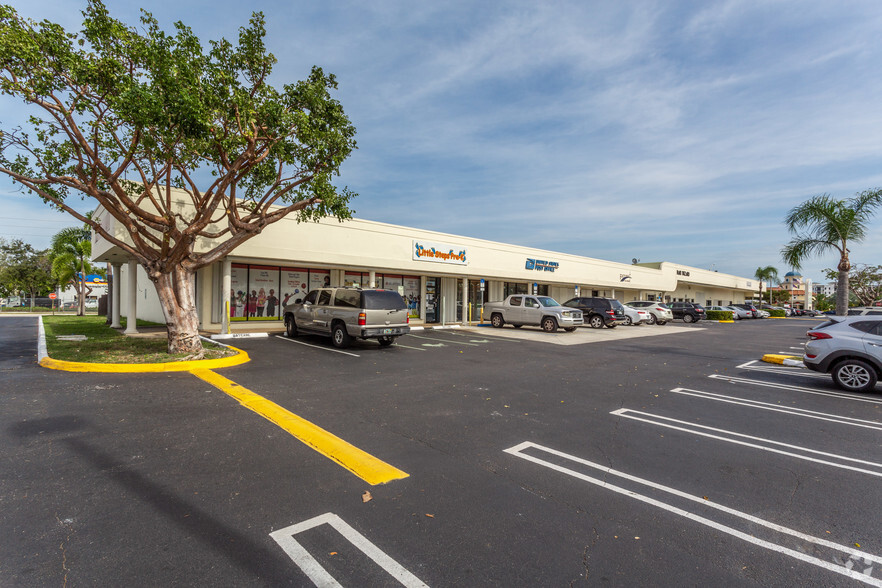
pixel 527 463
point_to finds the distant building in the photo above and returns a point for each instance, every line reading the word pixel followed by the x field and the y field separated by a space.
pixel 828 289
pixel 796 286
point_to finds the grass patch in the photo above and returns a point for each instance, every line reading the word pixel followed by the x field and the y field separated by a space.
pixel 106 345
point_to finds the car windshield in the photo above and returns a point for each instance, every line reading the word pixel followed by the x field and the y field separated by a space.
pixel 547 301
pixel 615 304
pixel 383 300
pixel 661 305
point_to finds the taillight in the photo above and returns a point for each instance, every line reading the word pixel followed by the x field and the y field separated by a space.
pixel 611 312
pixel 815 335
pixel 810 356
pixel 362 319
pixel 407 319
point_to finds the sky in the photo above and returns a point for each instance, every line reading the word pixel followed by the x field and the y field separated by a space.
pixel 663 131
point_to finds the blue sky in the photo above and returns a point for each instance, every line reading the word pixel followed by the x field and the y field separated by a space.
pixel 670 130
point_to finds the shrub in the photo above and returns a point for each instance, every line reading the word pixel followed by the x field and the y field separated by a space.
pixel 719 315
pixel 776 312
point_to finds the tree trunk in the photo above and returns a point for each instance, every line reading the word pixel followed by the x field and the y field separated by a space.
pixel 842 293
pixel 177 296
pixel 81 289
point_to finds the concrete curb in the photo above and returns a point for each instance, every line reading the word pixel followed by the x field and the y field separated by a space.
pixel 133 368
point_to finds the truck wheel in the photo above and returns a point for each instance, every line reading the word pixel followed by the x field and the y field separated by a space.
pixel 854 375
pixel 339 337
pixel 386 341
pixel 549 325
pixel 290 326
pixel 496 320
pixel 596 322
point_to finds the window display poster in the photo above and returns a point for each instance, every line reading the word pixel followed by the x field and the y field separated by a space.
pixel 294 285
pixel 263 300
pixel 393 283
pixel 238 291
pixel 412 296
pixel 354 280
pixel 319 279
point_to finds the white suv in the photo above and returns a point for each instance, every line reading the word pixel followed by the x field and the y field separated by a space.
pixel 849 349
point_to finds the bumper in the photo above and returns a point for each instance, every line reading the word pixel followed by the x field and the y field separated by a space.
pixel 370 332
pixel 565 321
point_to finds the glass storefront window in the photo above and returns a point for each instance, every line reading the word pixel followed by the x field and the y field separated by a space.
pixel 259 292
pixel 514 288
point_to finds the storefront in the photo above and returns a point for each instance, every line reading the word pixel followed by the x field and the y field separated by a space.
pixel 444 278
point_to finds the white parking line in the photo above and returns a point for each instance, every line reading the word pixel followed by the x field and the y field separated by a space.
pixel 318 574
pixel 772 369
pixel 445 340
pixel 842 420
pixel 789 387
pixel 289 340
pixel 688 427
pixel 845 570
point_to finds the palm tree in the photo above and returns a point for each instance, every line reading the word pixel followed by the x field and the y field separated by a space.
pixel 766 274
pixel 70 255
pixel 830 224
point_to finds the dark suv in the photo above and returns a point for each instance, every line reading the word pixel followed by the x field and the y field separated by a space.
pixel 690 312
pixel 599 312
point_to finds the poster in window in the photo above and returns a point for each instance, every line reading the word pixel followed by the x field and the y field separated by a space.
pixel 354 280
pixel 294 285
pixel 393 283
pixel 412 296
pixel 238 291
pixel 263 285
pixel 319 279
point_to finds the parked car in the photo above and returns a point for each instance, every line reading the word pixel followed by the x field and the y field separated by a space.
pixel 540 311
pixel 344 314
pixel 753 310
pixel 763 314
pixel 635 316
pixel 739 313
pixel 599 312
pixel 865 311
pixel 690 312
pixel 659 313
pixel 849 349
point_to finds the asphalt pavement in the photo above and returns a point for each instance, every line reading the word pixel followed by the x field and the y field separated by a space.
pixel 671 459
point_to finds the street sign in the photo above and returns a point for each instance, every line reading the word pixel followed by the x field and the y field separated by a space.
pixel 53 295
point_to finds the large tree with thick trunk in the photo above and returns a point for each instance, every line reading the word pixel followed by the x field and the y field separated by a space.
pixel 130 116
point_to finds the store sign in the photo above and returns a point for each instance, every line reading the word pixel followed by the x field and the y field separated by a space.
pixel 439 253
pixel 682 273
pixel 541 266
pixel 624 277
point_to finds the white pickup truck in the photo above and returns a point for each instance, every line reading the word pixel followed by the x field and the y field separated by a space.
pixel 541 311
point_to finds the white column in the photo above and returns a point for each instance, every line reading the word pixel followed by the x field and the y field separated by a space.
pixel 372 278
pixel 225 299
pixel 465 301
pixel 114 295
pixel 422 298
pixel 132 308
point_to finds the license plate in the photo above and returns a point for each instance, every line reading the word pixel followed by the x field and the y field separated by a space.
pixel 388 331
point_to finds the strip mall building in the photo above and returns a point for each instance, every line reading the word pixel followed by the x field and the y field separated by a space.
pixel 444 278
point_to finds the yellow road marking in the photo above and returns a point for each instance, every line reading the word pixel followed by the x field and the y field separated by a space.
pixel 362 464
pixel 135 368
pixel 776 358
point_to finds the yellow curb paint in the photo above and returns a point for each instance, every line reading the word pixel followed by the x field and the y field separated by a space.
pixel 362 464
pixel 131 368
pixel 774 358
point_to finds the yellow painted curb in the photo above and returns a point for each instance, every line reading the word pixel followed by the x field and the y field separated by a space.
pixel 364 465
pixel 775 358
pixel 131 368
pixel 726 322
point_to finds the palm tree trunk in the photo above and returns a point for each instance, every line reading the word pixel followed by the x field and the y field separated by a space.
pixel 842 293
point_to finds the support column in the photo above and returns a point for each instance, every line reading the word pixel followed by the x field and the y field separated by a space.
pixel 465 301
pixel 372 278
pixel 422 298
pixel 114 295
pixel 132 308
pixel 225 298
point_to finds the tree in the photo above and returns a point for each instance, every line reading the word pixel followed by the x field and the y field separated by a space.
pixel 763 275
pixel 24 270
pixel 821 224
pixel 864 282
pixel 113 101
pixel 824 302
pixel 70 256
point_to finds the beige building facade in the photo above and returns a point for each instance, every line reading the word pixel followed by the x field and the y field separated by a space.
pixel 445 278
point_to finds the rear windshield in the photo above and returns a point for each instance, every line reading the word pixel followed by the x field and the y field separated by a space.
pixel 615 304
pixel 383 300
pixel 826 324
pixel 662 305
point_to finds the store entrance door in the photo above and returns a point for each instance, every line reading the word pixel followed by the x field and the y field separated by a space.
pixel 433 300
pixel 477 298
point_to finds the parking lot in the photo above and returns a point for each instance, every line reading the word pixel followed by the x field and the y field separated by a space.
pixel 635 456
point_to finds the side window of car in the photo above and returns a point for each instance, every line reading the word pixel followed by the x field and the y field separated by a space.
pixel 347 298
pixel 864 326
pixel 516 301
pixel 310 298
pixel 531 303
pixel 324 297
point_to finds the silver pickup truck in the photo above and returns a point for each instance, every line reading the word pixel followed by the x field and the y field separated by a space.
pixel 541 311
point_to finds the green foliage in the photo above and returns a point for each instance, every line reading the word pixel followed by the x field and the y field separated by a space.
pixel 864 283
pixel 24 269
pixel 719 315
pixel 70 256
pixel 776 312
pixel 114 101
pixel 766 275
